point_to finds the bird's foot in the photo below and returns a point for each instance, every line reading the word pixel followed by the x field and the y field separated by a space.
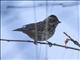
pixel 35 42
pixel 50 44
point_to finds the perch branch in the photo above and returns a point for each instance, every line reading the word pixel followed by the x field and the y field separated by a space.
pixel 41 43
pixel 75 42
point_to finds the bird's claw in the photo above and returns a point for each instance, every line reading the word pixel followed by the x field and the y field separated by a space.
pixel 50 44
pixel 35 42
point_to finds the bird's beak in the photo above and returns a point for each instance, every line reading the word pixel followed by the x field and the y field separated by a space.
pixel 59 21
pixel 19 29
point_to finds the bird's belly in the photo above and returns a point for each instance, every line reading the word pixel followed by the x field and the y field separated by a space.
pixel 39 36
pixel 44 36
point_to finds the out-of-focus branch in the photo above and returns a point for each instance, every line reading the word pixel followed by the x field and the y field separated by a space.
pixel 53 44
pixel 75 42
pixel 65 4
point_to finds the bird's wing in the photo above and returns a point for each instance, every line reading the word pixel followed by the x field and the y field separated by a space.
pixel 31 29
pixel 35 26
pixel 30 26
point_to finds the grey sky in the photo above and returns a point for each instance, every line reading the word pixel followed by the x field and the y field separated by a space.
pixel 12 18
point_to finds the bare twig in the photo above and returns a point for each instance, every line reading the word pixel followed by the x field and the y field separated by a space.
pixel 41 43
pixel 75 42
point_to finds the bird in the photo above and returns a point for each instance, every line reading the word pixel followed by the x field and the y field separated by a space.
pixel 41 31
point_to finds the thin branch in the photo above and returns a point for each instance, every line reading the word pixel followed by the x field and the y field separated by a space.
pixel 75 42
pixel 41 43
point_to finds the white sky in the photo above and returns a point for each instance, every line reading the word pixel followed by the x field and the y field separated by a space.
pixel 12 18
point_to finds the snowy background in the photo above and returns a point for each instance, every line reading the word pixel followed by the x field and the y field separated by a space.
pixel 22 13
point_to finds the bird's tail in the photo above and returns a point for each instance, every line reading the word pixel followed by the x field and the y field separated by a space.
pixel 19 29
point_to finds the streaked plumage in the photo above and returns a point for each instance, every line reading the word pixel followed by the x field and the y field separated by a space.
pixel 41 31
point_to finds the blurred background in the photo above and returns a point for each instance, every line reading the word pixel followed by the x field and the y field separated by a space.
pixel 15 14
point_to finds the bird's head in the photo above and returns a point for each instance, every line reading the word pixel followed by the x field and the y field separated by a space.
pixel 53 20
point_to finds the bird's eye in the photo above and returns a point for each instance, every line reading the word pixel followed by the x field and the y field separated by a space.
pixel 52 20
